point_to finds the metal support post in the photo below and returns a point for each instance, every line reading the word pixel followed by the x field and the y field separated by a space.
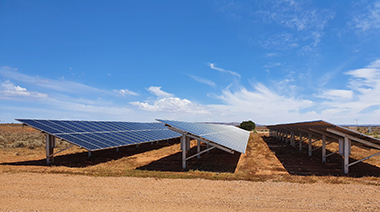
pixel 183 145
pixel 292 139
pixel 346 155
pixel 89 153
pixel 188 143
pixel 341 146
pixel 286 137
pixel 323 148
pixel 300 142
pixel 198 148
pixel 50 144
pixel 310 146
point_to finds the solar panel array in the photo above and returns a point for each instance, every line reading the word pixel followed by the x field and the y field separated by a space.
pixel 96 135
pixel 225 135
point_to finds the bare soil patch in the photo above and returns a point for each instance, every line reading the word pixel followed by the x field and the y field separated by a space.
pixel 58 192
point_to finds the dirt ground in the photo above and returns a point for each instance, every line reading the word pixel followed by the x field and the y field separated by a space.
pixel 271 176
pixel 57 192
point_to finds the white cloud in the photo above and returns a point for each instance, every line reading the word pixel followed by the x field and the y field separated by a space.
pixel 271 54
pixel 261 105
pixel 212 66
pixel 337 95
pixel 172 104
pixel 272 65
pixel 126 92
pixel 203 80
pixel 346 105
pixel 167 102
pixel 365 79
pixel 156 90
pixel 16 92
pixel 369 18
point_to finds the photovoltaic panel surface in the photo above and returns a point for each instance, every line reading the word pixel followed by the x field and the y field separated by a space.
pixel 225 135
pixel 96 135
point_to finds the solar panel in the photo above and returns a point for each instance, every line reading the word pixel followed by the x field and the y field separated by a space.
pixel 97 135
pixel 225 135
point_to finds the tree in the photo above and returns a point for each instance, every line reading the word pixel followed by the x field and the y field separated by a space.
pixel 248 125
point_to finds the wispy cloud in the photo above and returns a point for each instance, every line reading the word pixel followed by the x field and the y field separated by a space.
pixel 295 15
pixel 203 80
pixel 336 95
pixel 212 66
pixel 272 65
pixel 280 41
pixel 364 85
pixel 56 85
pixel 11 91
pixel 326 77
pixel 369 18
pixel 366 80
pixel 126 92
pixel 156 90
pixel 271 54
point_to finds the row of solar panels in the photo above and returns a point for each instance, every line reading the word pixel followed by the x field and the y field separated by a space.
pixel 96 135
pixel 57 127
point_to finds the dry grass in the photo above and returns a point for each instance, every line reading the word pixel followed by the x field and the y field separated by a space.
pixel 16 136
pixel 22 151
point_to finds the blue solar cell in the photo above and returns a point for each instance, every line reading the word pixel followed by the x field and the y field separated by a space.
pixel 81 126
pixel 124 137
pixel 131 135
pixel 93 125
pixel 40 126
pixel 89 140
pixel 55 126
pixel 79 142
pixel 100 138
pixel 95 135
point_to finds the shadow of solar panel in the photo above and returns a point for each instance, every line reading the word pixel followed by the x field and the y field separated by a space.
pixel 96 135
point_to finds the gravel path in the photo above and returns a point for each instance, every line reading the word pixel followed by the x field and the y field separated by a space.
pixel 58 192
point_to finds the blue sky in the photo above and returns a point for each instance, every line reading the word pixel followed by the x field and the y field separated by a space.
pixel 267 61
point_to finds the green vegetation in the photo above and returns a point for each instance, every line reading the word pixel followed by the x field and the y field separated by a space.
pixel 248 125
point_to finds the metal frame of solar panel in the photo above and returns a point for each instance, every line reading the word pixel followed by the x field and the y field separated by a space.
pixel 225 137
pixel 328 133
pixel 98 135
